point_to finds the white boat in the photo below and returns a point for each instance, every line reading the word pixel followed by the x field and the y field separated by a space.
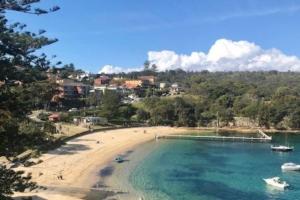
pixel 282 148
pixel 276 182
pixel 290 167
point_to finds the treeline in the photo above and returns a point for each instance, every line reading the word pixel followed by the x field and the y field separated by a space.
pixel 271 99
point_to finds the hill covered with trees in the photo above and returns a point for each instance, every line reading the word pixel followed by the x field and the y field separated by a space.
pixel 268 98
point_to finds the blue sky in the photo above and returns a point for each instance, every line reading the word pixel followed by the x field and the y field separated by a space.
pixel 94 33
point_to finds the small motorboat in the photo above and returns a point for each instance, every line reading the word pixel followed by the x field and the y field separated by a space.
pixel 276 182
pixel 290 167
pixel 282 148
pixel 119 159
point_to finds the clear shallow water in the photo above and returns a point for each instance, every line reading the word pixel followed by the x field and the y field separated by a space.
pixel 207 170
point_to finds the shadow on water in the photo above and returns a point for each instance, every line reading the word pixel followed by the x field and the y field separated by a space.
pixel 107 171
pixel 188 173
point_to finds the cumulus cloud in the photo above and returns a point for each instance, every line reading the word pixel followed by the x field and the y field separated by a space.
pixel 227 55
pixel 110 69
pixel 224 55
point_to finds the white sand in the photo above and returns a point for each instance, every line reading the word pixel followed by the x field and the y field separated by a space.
pixel 80 160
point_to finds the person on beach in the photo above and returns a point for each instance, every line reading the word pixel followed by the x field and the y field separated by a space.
pixel 60 177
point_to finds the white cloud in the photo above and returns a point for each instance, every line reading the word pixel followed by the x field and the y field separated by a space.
pixel 110 69
pixel 224 55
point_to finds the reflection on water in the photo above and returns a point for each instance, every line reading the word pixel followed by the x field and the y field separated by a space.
pixel 274 193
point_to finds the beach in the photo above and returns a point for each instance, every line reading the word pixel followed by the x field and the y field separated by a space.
pixel 69 171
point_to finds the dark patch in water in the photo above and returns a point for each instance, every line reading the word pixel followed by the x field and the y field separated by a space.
pixel 107 171
pixel 183 174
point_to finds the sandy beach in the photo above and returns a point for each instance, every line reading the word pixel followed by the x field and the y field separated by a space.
pixel 71 170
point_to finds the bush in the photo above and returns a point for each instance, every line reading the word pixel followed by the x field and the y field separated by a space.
pixel 43 116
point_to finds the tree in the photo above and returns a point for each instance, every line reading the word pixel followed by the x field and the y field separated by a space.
pixel 19 67
pixel 162 112
pixel 142 115
pixel 295 119
pixel 126 111
pixel 146 65
pixel 184 113
pixel 264 116
pixel 251 110
pixel 110 104
pixel 154 67
pixel 93 99
pixel 12 181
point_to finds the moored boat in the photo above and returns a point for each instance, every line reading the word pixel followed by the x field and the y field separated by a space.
pixel 282 148
pixel 119 159
pixel 290 167
pixel 276 182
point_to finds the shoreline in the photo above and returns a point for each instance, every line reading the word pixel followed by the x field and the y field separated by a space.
pixel 80 160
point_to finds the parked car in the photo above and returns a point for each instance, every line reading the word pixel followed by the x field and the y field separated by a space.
pixel 73 110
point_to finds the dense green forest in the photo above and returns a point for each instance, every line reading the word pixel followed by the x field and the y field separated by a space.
pixel 272 99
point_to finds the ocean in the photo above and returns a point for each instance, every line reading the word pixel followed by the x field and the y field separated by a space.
pixel 213 170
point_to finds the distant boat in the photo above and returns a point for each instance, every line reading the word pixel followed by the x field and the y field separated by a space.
pixel 282 148
pixel 290 167
pixel 276 182
pixel 119 159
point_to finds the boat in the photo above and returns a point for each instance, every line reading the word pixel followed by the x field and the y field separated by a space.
pixel 276 182
pixel 290 167
pixel 282 148
pixel 119 159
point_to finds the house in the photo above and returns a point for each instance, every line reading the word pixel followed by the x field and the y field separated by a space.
pixel 116 88
pixel 163 85
pixel 71 89
pixel 133 84
pixel 86 121
pixel 102 80
pixel 148 80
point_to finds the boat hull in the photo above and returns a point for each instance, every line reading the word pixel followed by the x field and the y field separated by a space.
pixel 270 182
pixel 290 167
pixel 282 148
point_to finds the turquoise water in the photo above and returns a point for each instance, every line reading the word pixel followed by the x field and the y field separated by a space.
pixel 207 170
